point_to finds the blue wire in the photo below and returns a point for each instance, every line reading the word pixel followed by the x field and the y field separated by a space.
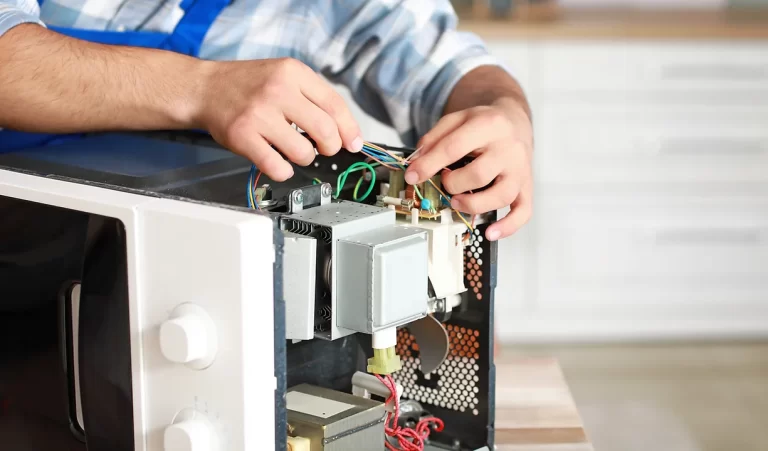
pixel 371 152
pixel 249 188
pixel 367 150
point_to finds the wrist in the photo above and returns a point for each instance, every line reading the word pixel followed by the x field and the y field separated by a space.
pixel 190 112
pixel 516 107
pixel 519 115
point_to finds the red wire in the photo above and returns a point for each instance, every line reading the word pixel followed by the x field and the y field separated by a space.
pixel 408 439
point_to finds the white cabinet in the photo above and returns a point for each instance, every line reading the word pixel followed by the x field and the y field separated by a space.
pixel 590 67
pixel 651 212
pixel 650 144
pixel 653 251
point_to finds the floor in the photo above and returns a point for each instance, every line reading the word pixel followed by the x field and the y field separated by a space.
pixel 677 397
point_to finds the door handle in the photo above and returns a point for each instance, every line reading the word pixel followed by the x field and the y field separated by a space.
pixel 689 236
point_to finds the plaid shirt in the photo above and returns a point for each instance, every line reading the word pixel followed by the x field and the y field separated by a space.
pixel 399 58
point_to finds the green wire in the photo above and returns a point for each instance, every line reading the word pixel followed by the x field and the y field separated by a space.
pixel 357 188
pixel 359 166
pixel 342 180
pixel 416 188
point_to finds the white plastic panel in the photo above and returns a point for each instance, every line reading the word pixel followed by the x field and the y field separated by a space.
pixel 221 261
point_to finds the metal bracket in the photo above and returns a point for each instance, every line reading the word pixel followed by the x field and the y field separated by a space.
pixel 309 196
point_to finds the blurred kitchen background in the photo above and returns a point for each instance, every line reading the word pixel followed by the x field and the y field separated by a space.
pixel 645 268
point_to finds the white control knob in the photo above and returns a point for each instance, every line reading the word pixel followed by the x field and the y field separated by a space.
pixel 189 435
pixel 189 337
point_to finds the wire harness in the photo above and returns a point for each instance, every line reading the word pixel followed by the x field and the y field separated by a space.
pixel 408 439
pixel 379 156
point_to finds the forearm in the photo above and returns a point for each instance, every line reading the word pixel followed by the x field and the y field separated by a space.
pixel 54 84
pixel 485 86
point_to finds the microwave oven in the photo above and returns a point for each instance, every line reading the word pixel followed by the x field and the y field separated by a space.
pixel 154 304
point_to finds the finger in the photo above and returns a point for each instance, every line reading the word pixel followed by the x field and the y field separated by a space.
pixel 477 174
pixel 320 92
pixel 520 213
pixel 499 195
pixel 445 125
pixel 450 149
pixel 317 123
pixel 290 143
pixel 266 159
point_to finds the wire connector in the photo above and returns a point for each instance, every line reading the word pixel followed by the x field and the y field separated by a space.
pixel 384 362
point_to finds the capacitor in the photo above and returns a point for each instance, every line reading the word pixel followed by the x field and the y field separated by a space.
pixel 430 192
pixel 396 183
pixel 389 200
pixel 426 204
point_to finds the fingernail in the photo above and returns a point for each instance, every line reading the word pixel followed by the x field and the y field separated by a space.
pixel 357 145
pixel 456 204
pixel 411 177
pixel 493 235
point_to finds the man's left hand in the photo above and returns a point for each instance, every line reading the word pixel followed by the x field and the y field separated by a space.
pixel 500 138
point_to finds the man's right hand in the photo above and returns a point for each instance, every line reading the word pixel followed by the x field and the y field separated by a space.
pixel 249 106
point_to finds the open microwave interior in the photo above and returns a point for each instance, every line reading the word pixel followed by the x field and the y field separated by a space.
pixel 350 277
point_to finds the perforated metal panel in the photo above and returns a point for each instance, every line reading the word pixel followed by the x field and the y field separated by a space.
pixel 454 385
pixel 461 390
pixel 473 260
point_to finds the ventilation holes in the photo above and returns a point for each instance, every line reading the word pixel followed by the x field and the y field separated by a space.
pixel 474 263
pixel 454 385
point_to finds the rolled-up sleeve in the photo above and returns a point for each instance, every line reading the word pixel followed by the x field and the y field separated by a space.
pixel 17 12
pixel 400 59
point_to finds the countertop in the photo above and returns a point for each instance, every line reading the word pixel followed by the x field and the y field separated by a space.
pixel 554 23
pixel 534 408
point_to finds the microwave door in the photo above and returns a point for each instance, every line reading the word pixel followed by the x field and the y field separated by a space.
pixel 70 306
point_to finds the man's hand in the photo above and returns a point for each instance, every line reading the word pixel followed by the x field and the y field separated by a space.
pixel 249 105
pixel 499 135
pixel 51 83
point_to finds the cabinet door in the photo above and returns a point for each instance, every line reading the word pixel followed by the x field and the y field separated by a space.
pixel 619 254
pixel 637 66
pixel 625 143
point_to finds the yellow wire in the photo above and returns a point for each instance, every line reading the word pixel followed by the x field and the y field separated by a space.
pixel 396 157
pixel 416 189
pixel 250 195
pixel 461 216
pixel 394 168
pixel 457 211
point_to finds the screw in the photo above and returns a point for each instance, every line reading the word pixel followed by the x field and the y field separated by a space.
pixel 326 191
pixel 298 197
